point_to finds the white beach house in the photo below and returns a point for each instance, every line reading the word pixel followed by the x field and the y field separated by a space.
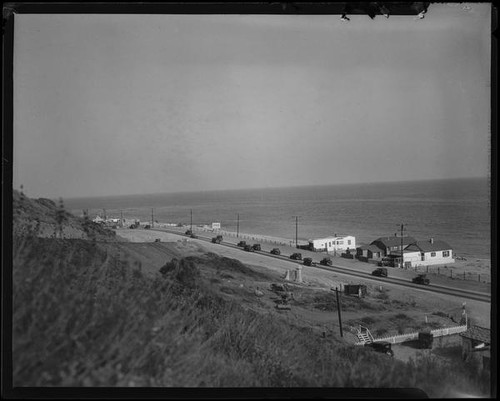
pixel 334 243
pixel 427 253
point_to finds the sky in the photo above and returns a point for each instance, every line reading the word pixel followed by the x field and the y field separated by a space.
pixel 128 104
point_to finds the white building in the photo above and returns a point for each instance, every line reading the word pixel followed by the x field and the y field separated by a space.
pixel 335 243
pixel 215 226
pixel 427 253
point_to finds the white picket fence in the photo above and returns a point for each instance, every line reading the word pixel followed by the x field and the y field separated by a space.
pixel 414 336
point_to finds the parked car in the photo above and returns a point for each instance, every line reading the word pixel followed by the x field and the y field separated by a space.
pixel 309 262
pixel 276 251
pixel 383 347
pixel 157 240
pixel 296 256
pixel 242 243
pixel 256 247
pixel 326 262
pixel 380 272
pixel 147 227
pixel 188 232
pixel 248 248
pixel 193 235
pixel 217 240
pixel 421 279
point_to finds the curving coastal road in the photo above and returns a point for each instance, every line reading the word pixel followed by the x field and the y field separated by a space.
pixel 435 288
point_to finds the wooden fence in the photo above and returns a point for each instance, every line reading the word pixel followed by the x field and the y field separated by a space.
pixel 401 338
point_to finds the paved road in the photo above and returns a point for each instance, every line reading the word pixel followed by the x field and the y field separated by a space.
pixel 339 272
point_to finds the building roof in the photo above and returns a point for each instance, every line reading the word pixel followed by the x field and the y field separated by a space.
pixel 333 237
pixel 478 333
pixel 394 241
pixel 428 246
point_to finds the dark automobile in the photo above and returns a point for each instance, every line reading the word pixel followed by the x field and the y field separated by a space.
pixel 380 272
pixel 276 251
pixel 242 243
pixel 296 256
pixel 217 240
pixel 421 279
pixel 157 240
pixel 193 235
pixel 256 247
pixel 188 232
pixel 383 347
pixel 248 248
pixel 326 262
pixel 309 262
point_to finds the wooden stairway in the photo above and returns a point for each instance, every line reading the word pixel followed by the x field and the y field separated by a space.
pixel 364 335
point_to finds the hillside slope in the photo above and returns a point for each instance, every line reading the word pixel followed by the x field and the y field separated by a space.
pixel 44 218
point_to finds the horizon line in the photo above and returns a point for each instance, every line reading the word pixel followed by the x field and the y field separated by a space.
pixel 269 187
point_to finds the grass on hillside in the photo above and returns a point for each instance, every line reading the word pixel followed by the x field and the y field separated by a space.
pixel 82 317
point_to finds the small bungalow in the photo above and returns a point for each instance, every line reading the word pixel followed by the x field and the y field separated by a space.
pixel 476 343
pixel 429 252
pixel 366 252
pixel 392 244
pixel 333 244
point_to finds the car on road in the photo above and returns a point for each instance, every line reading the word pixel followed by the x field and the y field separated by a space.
pixel 276 251
pixel 326 262
pixel 380 272
pixel 242 243
pixel 188 232
pixel 383 347
pixel 309 262
pixel 157 240
pixel 217 240
pixel 421 279
pixel 249 248
pixel 256 247
pixel 296 256
pixel 193 235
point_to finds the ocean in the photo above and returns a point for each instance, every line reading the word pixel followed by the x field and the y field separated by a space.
pixel 456 211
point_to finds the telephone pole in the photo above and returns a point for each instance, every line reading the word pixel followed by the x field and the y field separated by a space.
pixel 104 212
pixel 296 231
pixel 191 220
pixel 152 219
pixel 238 226
pixel 339 311
pixel 121 218
pixel 402 233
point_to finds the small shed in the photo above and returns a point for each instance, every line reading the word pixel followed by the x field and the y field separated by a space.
pixel 355 289
pixel 476 343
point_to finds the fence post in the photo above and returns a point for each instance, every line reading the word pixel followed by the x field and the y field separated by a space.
pixel 464 275
pixel 479 278
pixel 438 269
pixel 427 270
pixel 451 273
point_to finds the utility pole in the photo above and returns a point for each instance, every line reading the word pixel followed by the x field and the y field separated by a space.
pixel 191 220
pixel 296 231
pixel 104 212
pixel 339 311
pixel 238 226
pixel 152 219
pixel 402 257
pixel 121 218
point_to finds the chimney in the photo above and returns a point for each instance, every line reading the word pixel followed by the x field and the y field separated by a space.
pixel 432 240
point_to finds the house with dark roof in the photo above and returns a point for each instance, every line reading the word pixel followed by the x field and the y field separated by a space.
pixel 366 252
pixel 392 245
pixel 427 253
pixel 476 343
